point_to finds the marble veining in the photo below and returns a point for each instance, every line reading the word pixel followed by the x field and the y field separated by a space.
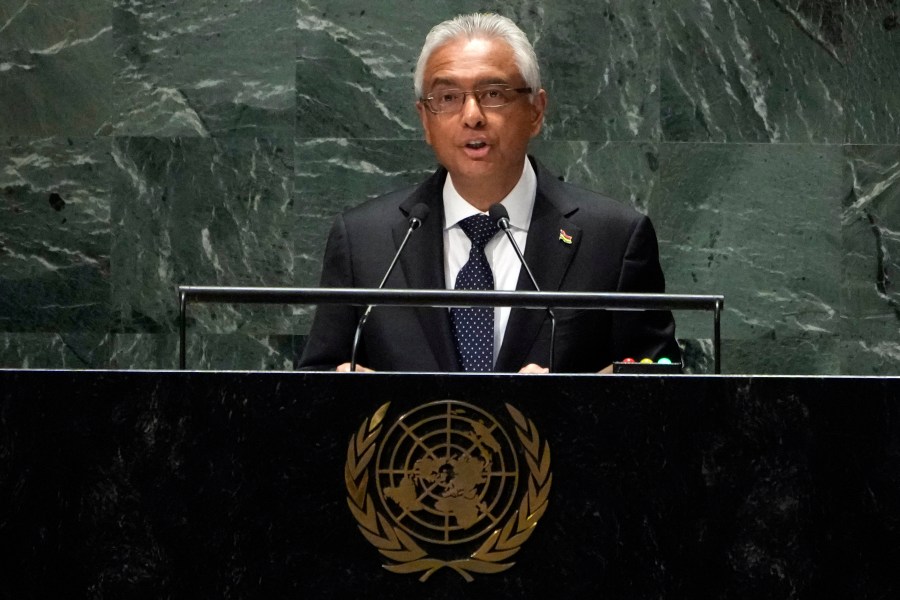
pixel 751 70
pixel 188 73
pixel 230 224
pixel 55 235
pixel 786 204
pixel 55 67
pixel 870 266
pixel 149 143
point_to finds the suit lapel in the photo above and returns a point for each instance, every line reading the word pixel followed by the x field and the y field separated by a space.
pixel 549 255
pixel 423 265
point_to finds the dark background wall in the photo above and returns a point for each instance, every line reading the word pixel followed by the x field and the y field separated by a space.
pixel 147 144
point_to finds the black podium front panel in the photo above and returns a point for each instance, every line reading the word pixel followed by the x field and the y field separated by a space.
pixel 290 485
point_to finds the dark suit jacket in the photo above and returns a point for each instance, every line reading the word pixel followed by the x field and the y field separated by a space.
pixel 613 249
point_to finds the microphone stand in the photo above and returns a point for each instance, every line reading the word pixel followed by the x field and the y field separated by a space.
pixel 498 212
pixel 418 214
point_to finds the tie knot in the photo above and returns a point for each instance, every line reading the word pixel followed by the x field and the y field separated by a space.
pixel 480 229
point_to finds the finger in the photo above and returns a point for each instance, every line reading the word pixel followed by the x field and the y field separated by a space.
pixel 532 368
pixel 345 368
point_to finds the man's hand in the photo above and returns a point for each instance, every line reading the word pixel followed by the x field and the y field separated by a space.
pixel 345 368
pixel 532 368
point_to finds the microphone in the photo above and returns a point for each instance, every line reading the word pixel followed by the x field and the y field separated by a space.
pixel 499 214
pixel 417 216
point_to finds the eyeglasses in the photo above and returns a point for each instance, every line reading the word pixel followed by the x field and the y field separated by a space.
pixel 491 96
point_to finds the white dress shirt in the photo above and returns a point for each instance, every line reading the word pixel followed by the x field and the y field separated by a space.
pixel 519 203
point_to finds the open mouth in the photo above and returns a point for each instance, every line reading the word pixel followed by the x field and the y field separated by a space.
pixel 476 145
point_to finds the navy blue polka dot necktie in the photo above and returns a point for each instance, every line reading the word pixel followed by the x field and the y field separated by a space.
pixel 473 328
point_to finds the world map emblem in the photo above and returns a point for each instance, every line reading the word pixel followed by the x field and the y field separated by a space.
pixel 447 486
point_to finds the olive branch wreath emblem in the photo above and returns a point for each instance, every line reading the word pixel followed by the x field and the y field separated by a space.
pixel 408 556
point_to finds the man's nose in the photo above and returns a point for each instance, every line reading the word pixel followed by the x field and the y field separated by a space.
pixel 473 114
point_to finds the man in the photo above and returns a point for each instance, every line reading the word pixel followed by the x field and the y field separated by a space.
pixel 480 102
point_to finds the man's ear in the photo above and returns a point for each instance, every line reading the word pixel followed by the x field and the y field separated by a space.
pixel 538 107
pixel 423 116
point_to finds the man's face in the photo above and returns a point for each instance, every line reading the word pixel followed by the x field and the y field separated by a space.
pixel 482 148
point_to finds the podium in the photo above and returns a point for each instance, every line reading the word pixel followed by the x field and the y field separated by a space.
pixel 237 485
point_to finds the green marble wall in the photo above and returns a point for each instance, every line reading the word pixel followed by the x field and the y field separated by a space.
pixel 147 144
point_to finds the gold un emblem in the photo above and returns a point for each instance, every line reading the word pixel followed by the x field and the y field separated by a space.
pixel 442 489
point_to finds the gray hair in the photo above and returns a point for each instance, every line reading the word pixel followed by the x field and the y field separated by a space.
pixel 484 26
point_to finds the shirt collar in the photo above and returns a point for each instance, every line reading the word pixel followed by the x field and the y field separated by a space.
pixel 518 203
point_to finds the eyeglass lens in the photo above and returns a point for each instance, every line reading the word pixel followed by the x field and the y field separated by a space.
pixel 452 100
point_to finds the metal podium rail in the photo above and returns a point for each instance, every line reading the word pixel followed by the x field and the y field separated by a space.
pixel 445 298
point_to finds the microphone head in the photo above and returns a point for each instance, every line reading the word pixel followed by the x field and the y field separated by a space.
pixel 500 215
pixel 418 214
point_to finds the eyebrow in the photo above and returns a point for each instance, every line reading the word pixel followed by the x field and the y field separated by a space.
pixel 486 81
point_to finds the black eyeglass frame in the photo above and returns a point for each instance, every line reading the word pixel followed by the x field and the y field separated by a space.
pixel 427 99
